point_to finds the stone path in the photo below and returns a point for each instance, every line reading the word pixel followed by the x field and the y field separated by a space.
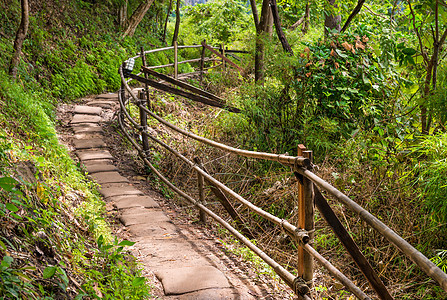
pixel 179 259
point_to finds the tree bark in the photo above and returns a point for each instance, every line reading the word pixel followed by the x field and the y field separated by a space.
pixel 166 21
pixel 353 14
pixel 282 37
pixel 136 17
pixel 261 35
pixel 20 37
pixel 304 21
pixel 254 11
pixel 331 21
pixel 177 22
pixel 122 15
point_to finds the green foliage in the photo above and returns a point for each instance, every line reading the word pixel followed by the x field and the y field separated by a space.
pixel 15 282
pixel 430 173
pixel 339 79
pixel 113 276
pixel 325 93
pixel 217 21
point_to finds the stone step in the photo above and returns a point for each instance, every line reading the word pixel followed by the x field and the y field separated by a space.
pixel 190 279
pixel 94 155
pixel 87 110
pixel 140 215
pixel 89 143
pixel 169 253
pixel 118 189
pixel 159 231
pixel 108 96
pixel 79 118
pixel 93 167
pixel 86 128
pixel 103 103
pixel 123 202
pixel 108 177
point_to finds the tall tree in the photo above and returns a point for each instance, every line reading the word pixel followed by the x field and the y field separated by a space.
pixel 122 14
pixel 20 37
pixel 331 20
pixel 279 32
pixel 304 20
pixel 136 17
pixel 264 26
pixel 429 24
pixel 354 12
pixel 166 21
pixel 177 22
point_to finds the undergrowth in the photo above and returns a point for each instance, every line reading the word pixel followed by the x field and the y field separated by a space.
pixel 54 239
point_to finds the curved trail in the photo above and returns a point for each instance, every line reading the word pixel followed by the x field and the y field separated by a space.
pixel 182 260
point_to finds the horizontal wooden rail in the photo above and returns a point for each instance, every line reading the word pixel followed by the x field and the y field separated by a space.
pixel 300 165
pixel 297 161
pixel 223 57
pixel 191 96
pixel 183 62
pixel 288 277
pixel 183 85
pixel 294 232
pixel 336 273
pixel 417 257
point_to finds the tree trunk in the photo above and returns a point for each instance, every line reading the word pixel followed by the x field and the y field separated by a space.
pixel 177 22
pixel 304 21
pixel 331 21
pixel 166 21
pixel 254 11
pixel 305 27
pixel 261 35
pixel 354 12
pixel 122 15
pixel 426 94
pixel 20 37
pixel 136 17
pixel 279 32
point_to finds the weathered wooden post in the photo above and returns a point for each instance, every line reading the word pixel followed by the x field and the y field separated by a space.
pixel 143 115
pixel 175 60
pixel 223 53
pixel 146 87
pixel 202 61
pixel 305 220
pixel 201 185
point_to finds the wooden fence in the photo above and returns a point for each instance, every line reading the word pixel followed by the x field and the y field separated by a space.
pixel 310 186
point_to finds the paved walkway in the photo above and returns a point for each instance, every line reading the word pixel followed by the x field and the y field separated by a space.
pixel 179 258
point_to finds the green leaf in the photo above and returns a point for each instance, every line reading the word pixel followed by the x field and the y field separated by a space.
pixel 409 51
pixel 11 207
pixel 138 281
pixel 6 262
pixel 8 183
pixel 49 272
pixel 126 243
pixel 340 53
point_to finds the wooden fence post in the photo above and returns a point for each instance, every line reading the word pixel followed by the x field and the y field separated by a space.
pixel 143 120
pixel 305 220
pixel 223 53
pixel 146 86
pixel 202 61
pixel 175 60
pixel 201 185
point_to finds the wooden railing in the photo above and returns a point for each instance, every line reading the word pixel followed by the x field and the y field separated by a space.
pixel 310 185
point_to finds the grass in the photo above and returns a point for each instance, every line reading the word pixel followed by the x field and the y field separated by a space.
pixel 48 205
